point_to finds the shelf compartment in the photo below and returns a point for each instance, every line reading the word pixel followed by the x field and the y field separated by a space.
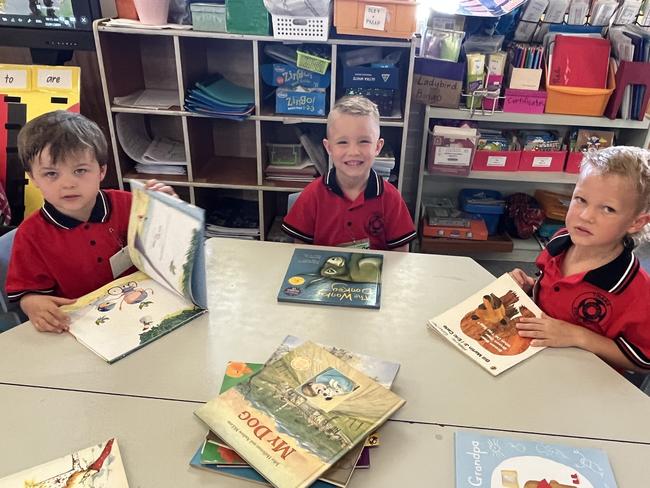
pixel 527 176
pixel 247 214
pixel 134 62
pixel 227 172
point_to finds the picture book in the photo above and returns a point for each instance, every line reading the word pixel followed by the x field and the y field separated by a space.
pixel 333 278
pixel 297 416
pixel 504 462
pixel 165 243
pixel 484 325
pixel 98 466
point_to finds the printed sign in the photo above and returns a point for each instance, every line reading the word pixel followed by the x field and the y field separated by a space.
pixel 16 79
pixel 54 79
pixel 374 17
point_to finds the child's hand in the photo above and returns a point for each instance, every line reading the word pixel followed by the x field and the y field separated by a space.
pixel 550 332
pixel 155 185
pixel 524 281
pixel 43 311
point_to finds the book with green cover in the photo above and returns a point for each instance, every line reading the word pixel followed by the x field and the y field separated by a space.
pixel 296 417
pixel 340 278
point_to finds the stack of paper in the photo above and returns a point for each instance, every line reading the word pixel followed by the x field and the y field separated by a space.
pixel 321 447
pixel 384 162
pixel 233 217
pixel 218 97
pixel 301 173
pixel 149 98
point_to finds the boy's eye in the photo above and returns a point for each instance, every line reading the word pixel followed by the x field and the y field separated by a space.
pixel 50 174
pixel 81 171
pixel 579 199
pixel 609 209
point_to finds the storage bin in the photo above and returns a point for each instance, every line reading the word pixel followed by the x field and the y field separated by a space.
pixel 285 154
pixel 496 160
pixel 524 101
pixel 542 160
pixel 437 83
pixel 312 62
pixel 382 18
pixel 573 161
pixel 490 213
pixel 247 17
pixel 368 77
pixel 301 28
pixel 384 99
pixel 208 17
pixel 579 101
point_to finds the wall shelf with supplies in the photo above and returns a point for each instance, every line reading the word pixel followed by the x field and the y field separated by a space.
pixel 223 157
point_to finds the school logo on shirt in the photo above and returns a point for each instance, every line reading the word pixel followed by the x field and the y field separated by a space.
pixel 375 225
pixel 591 308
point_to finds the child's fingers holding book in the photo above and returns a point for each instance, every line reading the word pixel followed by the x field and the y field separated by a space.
pixel 44 313
pixel 155 185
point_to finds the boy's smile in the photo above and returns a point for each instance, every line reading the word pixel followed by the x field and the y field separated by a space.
pixel 70 185
pixel 353 143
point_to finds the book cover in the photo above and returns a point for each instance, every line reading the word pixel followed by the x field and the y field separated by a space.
pixel 296 417
pixel 165 242
pixel 483 326
pixel 504 462
pixel 98 466
pixel 333 278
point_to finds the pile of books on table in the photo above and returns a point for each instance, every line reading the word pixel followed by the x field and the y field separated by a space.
pixel 301 419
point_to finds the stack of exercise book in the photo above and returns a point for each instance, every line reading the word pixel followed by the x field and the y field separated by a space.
pixel 218 97
pixel 233 217
pixel 302 172
pixel 302 419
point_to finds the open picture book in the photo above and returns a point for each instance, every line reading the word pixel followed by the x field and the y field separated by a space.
pixel 484 328
pixel 99 466
pixel 165 243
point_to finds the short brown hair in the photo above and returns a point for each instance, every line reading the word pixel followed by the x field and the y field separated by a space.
pixel 354 105
pixel 63 133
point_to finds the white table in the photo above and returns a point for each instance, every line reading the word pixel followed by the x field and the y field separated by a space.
pixel 157 438
pixel 562 391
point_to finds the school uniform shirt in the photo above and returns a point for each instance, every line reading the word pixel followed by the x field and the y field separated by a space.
pixel 58 255
pixel 613 300
pixel 323 215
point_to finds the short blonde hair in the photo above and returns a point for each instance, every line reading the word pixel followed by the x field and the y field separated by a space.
pixel 354 105
pixel 629 162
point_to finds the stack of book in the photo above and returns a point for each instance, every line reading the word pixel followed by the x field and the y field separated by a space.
pixel 302 419
pixel 233 217
pixel 218 97
pixel 384 163
pixel 302 172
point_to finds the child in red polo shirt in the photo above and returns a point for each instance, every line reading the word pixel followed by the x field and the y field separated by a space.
pixel 591 285
pixel 351 205
pixel 64 251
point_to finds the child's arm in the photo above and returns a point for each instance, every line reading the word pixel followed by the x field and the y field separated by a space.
pixel 550 332
pixel 44 313
pixel 155 185
pixel 524 281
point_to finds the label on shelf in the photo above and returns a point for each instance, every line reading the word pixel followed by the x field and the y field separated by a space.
pixel 542 162
pixel 460 156
pixel 499 161
pixel 374 18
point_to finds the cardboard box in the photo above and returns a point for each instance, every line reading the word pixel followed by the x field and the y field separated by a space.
pixel 280 74
pixel 524 101
pixel 366 77
pixel 384 18
pixel 524 78
pixel 294 102
pixel 437 83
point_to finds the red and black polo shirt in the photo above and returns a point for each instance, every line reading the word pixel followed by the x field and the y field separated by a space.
pixel 323 215
pixel 613 300
pixel 62 256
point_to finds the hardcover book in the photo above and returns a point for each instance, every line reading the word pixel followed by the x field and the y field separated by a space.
pixel 299 415
pixel 484 328
pixel 165 243
pixel 333 278
pixel 506 462
pixel 98 466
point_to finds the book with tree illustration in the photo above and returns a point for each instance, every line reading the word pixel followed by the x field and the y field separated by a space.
pixel 507 462
pixel 484 328
pixel 341 278
pixel 297 416
pixel 98 466
pixel 165 243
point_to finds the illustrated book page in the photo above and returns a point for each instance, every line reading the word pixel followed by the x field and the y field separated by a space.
pixel 514 463
pixel 98 466
pixel 333 278
pixel 297 416
pixel 166 245
pixel 484 328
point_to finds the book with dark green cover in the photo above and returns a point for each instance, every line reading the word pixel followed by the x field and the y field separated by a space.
pixel 347 279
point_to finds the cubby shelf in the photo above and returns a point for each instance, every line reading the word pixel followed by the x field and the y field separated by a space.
pixel 224 156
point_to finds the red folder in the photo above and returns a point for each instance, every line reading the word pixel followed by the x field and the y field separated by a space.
pixel 580 61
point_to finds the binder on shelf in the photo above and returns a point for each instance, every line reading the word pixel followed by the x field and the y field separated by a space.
pixel 629 73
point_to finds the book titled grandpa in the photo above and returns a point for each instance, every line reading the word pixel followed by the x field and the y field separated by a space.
pixel 347 279
pixel 296 417
pixel 506 462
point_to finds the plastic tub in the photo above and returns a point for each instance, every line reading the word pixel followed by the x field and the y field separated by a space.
pixel 490 213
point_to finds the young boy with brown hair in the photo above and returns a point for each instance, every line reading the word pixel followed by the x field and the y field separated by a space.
pixel 593 291
pixel 351 206
pixel 64 251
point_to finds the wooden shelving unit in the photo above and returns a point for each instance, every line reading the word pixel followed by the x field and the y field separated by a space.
pixel 225 157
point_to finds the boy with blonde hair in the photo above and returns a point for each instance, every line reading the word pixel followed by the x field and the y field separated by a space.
pixel 351 206
pixel 593 291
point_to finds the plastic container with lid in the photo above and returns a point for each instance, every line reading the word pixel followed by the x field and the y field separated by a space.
pixel 485 204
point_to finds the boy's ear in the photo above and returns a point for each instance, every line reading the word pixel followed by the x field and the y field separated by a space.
pixel 380 145
pixel 639 223
pixel 102 172
pixel 326 143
